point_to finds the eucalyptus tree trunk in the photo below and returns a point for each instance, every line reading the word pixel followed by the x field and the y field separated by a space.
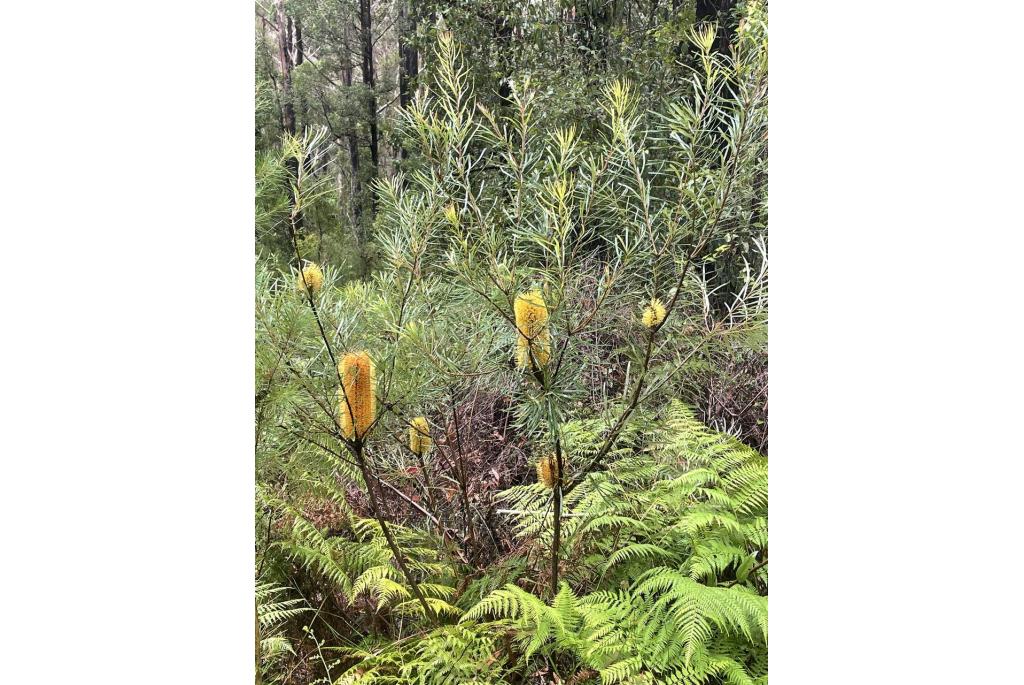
pixel 366 41
pixel 353 148
pixel 359 231
pixel 408 59
pixel 284 55
pixel 299 57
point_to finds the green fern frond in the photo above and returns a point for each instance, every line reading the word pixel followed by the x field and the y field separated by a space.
pixel 637 551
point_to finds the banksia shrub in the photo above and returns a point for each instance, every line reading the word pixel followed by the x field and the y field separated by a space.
pixel 419 436
pixel 532 323
pixel 547 470
pixel 357 382
pixel 311 275
pixel 654 313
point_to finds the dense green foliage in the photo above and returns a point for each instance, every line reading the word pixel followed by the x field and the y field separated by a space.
pixel 554 269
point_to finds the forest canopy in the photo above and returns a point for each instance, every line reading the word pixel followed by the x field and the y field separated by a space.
pixel 511 342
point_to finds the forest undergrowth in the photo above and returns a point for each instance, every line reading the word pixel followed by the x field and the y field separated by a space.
pixel 511 419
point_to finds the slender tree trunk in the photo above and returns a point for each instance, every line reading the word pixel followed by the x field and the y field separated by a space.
pixel 369 80
pixel 366 40
pixel 408 60
pixel 285 58
pixel 284 48
pixel 352 136
pixel 353 149
pixel 299 58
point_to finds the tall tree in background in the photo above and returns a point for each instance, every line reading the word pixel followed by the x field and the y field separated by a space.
pixel 570 50
pixel 369 80
pixel 408 58
pixel 285 64
pixel 352 137
pixel 298 58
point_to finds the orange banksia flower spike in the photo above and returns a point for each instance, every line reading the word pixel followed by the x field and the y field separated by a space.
pixel 357 379
pixel 534 337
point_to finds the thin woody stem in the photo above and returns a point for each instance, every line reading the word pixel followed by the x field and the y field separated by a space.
pixel 356 445
pixel 389 538
pixel 461 470
pixel 557 504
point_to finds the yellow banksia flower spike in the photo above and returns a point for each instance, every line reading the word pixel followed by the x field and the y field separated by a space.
pixel 312 275
pixel 419 436
pixel 357 380
pixel 654 313
pixel 547 470
pixel 532 323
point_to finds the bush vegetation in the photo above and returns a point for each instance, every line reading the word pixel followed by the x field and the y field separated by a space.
pixel 514 429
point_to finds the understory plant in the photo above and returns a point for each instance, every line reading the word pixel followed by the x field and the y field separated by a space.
pixel 473 466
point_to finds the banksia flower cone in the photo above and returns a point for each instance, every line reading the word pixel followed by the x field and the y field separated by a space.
pixel 547 470
pixel 357 382
pixel 532 323
pixel 654 313
pixel 419 436
pixel 311 275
